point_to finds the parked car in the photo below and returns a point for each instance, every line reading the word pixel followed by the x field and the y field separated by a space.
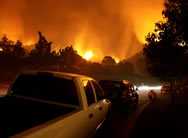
pixel 165 89
pixel 120 92
pixel 52 105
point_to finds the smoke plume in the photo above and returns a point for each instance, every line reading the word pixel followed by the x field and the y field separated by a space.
pixel 107 27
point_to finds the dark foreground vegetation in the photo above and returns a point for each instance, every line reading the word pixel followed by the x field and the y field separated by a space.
pixel 166 49
pixel 14 58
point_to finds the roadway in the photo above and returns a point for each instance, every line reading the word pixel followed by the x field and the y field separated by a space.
pixel 121 121
pixel 159 119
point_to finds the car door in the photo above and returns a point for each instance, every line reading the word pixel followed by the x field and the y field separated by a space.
pixel 92 114
pixel 102 105
pixel 79 124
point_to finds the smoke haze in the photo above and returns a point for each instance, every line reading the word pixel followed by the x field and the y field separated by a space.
pixel 107 27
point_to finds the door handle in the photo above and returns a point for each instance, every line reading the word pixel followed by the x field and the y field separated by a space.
pixel 100 108
pixel 90 116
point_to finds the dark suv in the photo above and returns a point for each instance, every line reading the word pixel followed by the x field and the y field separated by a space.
pixel 120 92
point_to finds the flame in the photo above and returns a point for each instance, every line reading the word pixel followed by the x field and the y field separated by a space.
pixel 105 29
pixel 88 55
pixel 87 47
pixel 116 59
pixel 29 42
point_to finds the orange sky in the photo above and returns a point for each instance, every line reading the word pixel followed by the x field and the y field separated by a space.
pixel 144 15
pixel 105 27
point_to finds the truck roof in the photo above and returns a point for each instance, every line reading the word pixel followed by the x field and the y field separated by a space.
pixel 57 74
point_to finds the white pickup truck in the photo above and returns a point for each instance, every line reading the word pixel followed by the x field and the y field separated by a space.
pixel 52 105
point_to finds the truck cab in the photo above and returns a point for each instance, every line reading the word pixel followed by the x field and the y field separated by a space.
pixel 51 104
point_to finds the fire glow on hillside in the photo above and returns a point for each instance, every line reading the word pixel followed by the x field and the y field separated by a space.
pixel 113 27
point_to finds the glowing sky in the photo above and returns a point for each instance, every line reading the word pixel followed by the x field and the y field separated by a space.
pixel 105 27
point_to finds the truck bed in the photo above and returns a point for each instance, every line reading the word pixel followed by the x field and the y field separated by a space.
pixel 18 114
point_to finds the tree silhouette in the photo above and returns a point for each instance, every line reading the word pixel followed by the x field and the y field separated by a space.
pixel 108 60
pixel 70 56
pixel 42 47
pixel 166 49
pixel 18 50
pixel 176 12
pixel 6 46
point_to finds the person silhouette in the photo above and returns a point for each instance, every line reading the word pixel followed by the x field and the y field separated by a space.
pixel 152 95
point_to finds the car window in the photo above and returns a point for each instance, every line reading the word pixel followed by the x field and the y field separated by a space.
pixel 125 87
pixel 89 92
pixel 98 90
pixel 47 88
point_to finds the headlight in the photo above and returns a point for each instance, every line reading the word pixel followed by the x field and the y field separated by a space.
pixel 130 94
